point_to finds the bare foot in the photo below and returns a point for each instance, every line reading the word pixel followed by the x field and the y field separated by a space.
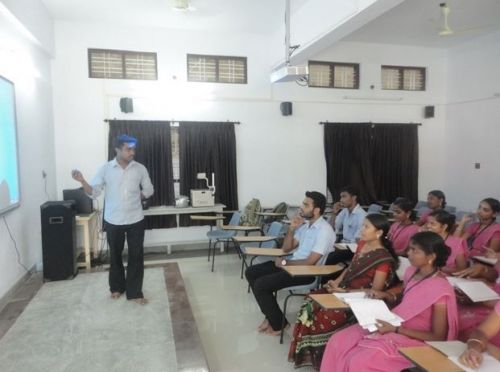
pixel 140 301
pixel 270 331
pixel 263 326
pixel 115 295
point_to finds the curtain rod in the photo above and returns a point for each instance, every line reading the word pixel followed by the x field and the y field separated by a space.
pixel 368 123
pixel 180 121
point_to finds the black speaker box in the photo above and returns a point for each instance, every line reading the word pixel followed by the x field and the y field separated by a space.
pixel 286 108
pixel 126 105
pixel 429 112
pixel 58 240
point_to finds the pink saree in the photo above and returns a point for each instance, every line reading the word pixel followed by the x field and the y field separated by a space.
pixel 354 349
pixel 400 236
pixel 457 246
pixel 470 316
pixel 478 240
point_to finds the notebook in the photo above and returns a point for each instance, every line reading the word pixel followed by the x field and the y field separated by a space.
pixel 367 311
pixel 486 260
pixel 476 290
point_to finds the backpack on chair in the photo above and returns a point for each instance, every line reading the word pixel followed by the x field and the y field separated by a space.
pixel 249 216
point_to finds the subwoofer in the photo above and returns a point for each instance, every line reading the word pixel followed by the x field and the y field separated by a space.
pixel 59 240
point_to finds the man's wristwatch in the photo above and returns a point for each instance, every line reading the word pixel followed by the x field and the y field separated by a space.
pixel 283 262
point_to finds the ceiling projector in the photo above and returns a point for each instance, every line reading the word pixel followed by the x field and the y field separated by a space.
pixel 289 73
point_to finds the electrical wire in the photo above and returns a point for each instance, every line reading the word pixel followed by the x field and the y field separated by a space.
pixel 15 245
pixel 45 188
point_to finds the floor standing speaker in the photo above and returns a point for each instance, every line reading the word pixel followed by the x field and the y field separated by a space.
pixel 58 240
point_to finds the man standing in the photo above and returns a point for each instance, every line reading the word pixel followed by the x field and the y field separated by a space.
pixel 312 237
pixel 126 183
pixel 347 217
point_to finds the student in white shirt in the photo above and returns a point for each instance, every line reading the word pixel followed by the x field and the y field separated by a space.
pixel 311 237
pixel 347 218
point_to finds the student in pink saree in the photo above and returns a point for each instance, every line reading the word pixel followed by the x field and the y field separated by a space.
pixel 471 315
pixel 483 234
pixel 443 223
pixel 403 227
pixel 483 339
pixel 428 307
pixel 435 200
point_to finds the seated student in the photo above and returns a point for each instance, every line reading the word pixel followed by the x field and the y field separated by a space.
pixel 435 200
pixel 373 266
pixel 443 223
pixel 485 233
pixel 485 338
pixel 428 307
pixel 312 237
pixel 347 217
pixel 472 314
pixel 403 227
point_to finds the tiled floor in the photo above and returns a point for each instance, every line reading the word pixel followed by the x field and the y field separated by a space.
pixel 226 317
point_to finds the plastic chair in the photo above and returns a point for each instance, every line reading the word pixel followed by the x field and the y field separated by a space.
pixel 276 229
pixel 460 214
pixel 374 208
pixel 421 204
pixel 222 236
pixel 301 290
pixel 450 209
pixel 421 210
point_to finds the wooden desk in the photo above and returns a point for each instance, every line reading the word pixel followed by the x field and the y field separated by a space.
pixel 269 252
pixel 245 229
pixel 270 214
pixel 206 218
pixel 254 239
pixel 311 270
pixel 250 239
pixel 88 223
pixel 329 301
pixel 429 359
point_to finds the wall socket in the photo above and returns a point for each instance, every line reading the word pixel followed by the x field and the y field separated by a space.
pixel 44 175
pixel 477 165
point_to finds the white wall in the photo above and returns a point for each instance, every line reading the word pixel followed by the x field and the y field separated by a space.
pixel 28 66
pixel 278 157
pixel 473 125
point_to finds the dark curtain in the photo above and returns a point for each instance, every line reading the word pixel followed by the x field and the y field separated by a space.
pixel 381 160
pixel 154 151
pixel 210 148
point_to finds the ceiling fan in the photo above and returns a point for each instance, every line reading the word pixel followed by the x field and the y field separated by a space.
pixel 182 5
pixel 446 30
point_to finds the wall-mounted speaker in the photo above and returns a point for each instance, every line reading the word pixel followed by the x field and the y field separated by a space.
pixel 429 112
pixel 286 108
pixel 126 105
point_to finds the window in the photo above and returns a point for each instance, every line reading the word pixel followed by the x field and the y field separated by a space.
pixel 120 64
pixel 333 75
pixel 403 78
pixel 217 69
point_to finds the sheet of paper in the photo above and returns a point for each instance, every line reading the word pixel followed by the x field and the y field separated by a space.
pixel 448 348
pixel 367 311
pixel 350 295
pixel 404 264
pixel 486 260
pixel 477 291
pixel 489 364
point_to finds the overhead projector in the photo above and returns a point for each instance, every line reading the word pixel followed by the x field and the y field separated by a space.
pixel 289 73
